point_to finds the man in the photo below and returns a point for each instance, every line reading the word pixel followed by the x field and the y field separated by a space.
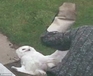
pixel 79 42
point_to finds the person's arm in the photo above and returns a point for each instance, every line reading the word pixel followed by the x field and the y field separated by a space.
pixel 57 40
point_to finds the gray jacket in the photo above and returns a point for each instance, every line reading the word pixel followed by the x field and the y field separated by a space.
pixel 79 59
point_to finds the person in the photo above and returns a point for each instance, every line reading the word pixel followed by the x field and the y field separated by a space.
pixel 79 59
pixel 79 41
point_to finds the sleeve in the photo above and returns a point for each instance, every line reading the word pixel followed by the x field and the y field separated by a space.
pixel 57 40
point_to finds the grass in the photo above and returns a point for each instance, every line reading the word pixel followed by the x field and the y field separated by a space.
pixel 23 21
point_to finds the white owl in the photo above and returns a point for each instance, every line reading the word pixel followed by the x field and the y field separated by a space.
pixel 35 63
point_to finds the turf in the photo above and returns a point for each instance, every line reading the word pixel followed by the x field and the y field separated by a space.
pixel 23 21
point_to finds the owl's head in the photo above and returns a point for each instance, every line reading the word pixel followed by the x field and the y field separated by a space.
pixel 24 50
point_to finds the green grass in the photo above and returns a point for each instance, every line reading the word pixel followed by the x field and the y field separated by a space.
pixel 23 21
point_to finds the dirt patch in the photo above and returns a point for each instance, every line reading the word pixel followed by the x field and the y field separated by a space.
pixel 7 50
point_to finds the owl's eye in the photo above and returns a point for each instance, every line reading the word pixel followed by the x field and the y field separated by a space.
pixel 23 49
pixel 28 50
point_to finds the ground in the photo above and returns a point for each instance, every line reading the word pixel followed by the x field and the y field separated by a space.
pixel 7 51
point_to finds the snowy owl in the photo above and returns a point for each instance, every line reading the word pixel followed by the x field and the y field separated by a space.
pixel 35 63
